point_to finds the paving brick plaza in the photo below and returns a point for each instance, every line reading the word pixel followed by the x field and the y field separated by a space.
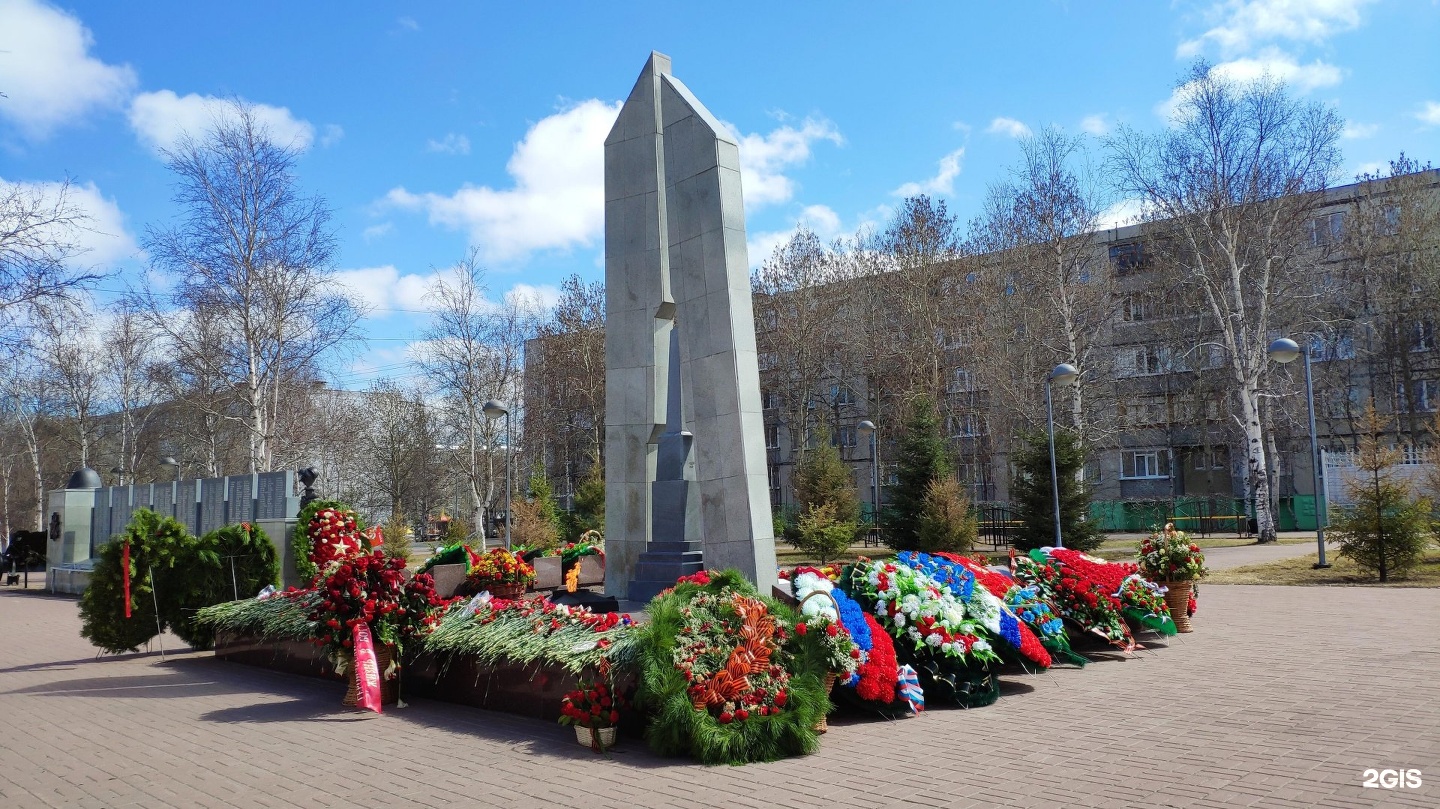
pixel 1283 697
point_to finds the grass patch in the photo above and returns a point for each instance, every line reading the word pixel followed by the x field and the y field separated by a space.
pixel 1300 571
pixel 1124 549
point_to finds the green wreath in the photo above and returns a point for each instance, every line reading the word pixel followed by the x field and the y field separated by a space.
pixel 677 727
pixel 302 545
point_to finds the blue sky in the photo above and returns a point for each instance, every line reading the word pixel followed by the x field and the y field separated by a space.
pixel 431 127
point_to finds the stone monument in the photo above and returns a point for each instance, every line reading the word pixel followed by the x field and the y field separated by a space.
pixel 685 478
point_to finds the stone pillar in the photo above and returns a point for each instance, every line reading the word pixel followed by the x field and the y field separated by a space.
pixel 675 257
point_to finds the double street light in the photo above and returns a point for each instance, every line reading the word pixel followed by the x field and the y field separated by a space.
pixel 1285 350
pixel 494 410
pixel 1063 374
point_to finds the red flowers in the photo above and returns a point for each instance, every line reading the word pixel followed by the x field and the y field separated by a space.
pixel 370 588
pixel 593 705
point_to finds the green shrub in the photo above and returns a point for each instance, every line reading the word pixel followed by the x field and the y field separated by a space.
pixel 946 521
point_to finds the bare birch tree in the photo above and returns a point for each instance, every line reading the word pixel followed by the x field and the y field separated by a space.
pixel 473 352
pixel 251 255
pixel 40 229
pixel 1231 185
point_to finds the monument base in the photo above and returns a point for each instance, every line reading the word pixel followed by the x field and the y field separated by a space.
pixel 597 602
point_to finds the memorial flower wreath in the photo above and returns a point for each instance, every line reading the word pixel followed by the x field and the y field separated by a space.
pixel 1140 600
pixel 720 677
pixel 372 589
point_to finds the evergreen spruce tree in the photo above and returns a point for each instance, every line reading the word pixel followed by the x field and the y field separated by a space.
pixel 543 497
pixel 946 522
pixel 1032 499
pixel 1388 529
pixel 829 509
pixel 924 458
pixel 589 504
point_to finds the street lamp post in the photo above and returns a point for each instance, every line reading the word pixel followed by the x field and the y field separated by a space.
pixel 1063 374
pixel 174 498
pixel 494 410
pixel 867 427
pixel 1286 350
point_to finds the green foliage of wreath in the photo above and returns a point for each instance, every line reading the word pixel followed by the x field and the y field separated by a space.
pixel 244 563
pixel 301 545
pixel 160 548
pixel 677 728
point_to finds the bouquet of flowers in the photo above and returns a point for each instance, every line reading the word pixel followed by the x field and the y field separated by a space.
pixel 593 705
pixel 1169 555
pixel 528 631
pixel 372 589
pixel 820 631
pixel 1140 600
pixel 589 544
pixel 1082 601
pixel 920 611
pixel 988 608
pixel 499 567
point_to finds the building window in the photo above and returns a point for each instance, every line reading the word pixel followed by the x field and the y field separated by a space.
pixel 1327 230
pixel 1422 336
pixel 1389 224
pixel 1337 345
pixel 768 360
pixel 1137 307
pixel 1202 458
pixel 1127 258
pixel 843 437
pixel 961 380
pixel 770 400
pixel 965 425
pixel 1145 464
pixel 842 395
pixel 1138 361
pixel 774 477
pixel 1424 399
pixel 1144 411
pixel 772 436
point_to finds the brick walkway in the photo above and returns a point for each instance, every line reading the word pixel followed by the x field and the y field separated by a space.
pixel 1282 698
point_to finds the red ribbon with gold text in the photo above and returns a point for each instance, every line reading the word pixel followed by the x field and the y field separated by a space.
pixel 367 669
pixel 125 574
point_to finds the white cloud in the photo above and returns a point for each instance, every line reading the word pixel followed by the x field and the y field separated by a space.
pixel 408 23
pixel 764 157
pixel 1125 212
pixel 1270 62
pixel 1357 131
pixel 1375 168
pixel 102 237
pixel 543 296
pixel 819 218
pixel 557 201
pixel 1429 113
pixel 961 126
pixel 1242 24
pixel 1008 127
pixel 1095 125
pixel 47 70
pixel 333 134
pixel 942 183
pixel 385 289
pixel 450 144
pixel 376 231
pixel 161 118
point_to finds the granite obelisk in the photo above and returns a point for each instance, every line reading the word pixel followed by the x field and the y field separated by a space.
pixel 685 475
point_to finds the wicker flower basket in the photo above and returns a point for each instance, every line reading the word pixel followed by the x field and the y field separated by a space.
pixel 1177 598
pixel 510 591
pixel 595 738
pixel 389 689
pixel 824 725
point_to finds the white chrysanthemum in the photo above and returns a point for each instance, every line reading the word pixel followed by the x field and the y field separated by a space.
pixel 954 614
pixel 933 639
pixel 910 603
pixel 899 619
pixel 913 634
pixel 980 646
